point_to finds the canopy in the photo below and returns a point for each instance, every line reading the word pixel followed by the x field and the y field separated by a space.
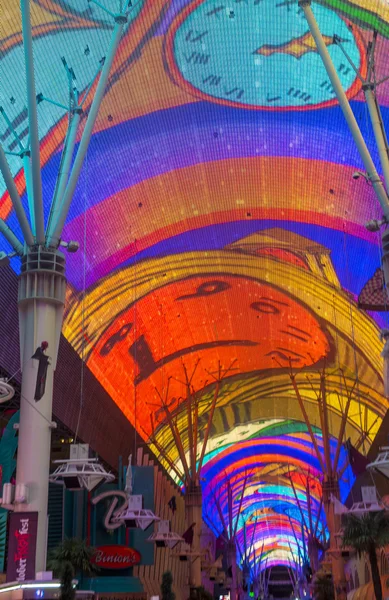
pixel 219 222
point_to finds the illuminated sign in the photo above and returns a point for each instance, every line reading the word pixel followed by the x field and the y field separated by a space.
pixel 22 546
pixel 116 557
pixel 109 522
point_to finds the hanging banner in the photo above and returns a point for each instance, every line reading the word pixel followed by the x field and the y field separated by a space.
pixel 22 546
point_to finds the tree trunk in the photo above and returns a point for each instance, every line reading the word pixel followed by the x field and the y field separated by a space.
pixel 375 574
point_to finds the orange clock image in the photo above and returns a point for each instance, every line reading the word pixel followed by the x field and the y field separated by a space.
pixel 208 318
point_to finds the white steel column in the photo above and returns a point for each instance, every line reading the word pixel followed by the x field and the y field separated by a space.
pixel 41 301
pixel 42 283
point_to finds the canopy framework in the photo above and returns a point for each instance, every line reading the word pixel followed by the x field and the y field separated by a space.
pixel 330 470
pixel 191 462
pixel 228 416
pixel 369 87
pixel 230 524
pixel 42 282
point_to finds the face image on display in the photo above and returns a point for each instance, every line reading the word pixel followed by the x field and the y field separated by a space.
pixel 221 238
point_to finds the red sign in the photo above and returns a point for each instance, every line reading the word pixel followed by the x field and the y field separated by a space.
pixel 22 546
pixel 116 557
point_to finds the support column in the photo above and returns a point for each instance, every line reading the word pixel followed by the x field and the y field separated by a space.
pixel 331 487
pixel 231 556
pixel 313 553
pixel 194 514
pixel 42 287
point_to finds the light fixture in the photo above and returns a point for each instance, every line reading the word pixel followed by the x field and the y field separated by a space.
pixel 79 471
pixel 164 538
pixel 134 515
pixel 370 502
pixel 30 586
pixel 381 463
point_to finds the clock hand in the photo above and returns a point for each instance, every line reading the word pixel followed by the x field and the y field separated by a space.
pixel 296 47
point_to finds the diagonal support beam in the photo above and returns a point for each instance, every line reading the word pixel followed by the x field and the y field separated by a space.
pixel 308 423
pixel 208 428
pixel 60 215
pixel 343 422
pixel 11 238
pixel 15 198
pixel 65 165
pixel 33 123
pixel 346 108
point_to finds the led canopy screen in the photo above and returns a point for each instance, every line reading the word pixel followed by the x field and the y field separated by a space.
pixel 219 222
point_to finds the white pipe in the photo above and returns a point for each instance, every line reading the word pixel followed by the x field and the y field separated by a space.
pixel 30 194
pixel 15 198
pixel 65 166
pixel 60 214
pixel 38 320
pixel 33 122
pixel 378 133
pixel 345 106
pixel 11 237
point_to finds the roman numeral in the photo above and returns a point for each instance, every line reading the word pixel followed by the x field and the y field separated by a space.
pixel 272 98
pixel 215 12
pixel 197 58
pixel 237 91
pixel 213 80
pixel 195 36
pixel 295 93
pixel 287 3
pixel 326 85
pixel 344 69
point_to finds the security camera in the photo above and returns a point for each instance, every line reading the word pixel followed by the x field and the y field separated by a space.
pixel 356 175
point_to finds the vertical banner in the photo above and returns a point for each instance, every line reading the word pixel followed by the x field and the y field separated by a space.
pixel 22 546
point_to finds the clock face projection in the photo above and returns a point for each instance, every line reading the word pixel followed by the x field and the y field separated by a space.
pixel 260 54
pixel 82 41
pixel 207 318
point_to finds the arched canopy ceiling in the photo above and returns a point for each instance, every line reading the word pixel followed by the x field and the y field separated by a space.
pixel 219 221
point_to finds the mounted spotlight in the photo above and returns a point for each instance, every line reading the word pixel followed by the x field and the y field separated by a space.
pixel 358 174
pixel 164 538
pixel 370 502
pixel 80 472
pixel 134 515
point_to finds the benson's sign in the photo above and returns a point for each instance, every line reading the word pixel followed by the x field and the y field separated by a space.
pixel 116 557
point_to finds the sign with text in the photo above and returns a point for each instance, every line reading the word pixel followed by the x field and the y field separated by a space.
pixel 22 546
pixel 116 557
